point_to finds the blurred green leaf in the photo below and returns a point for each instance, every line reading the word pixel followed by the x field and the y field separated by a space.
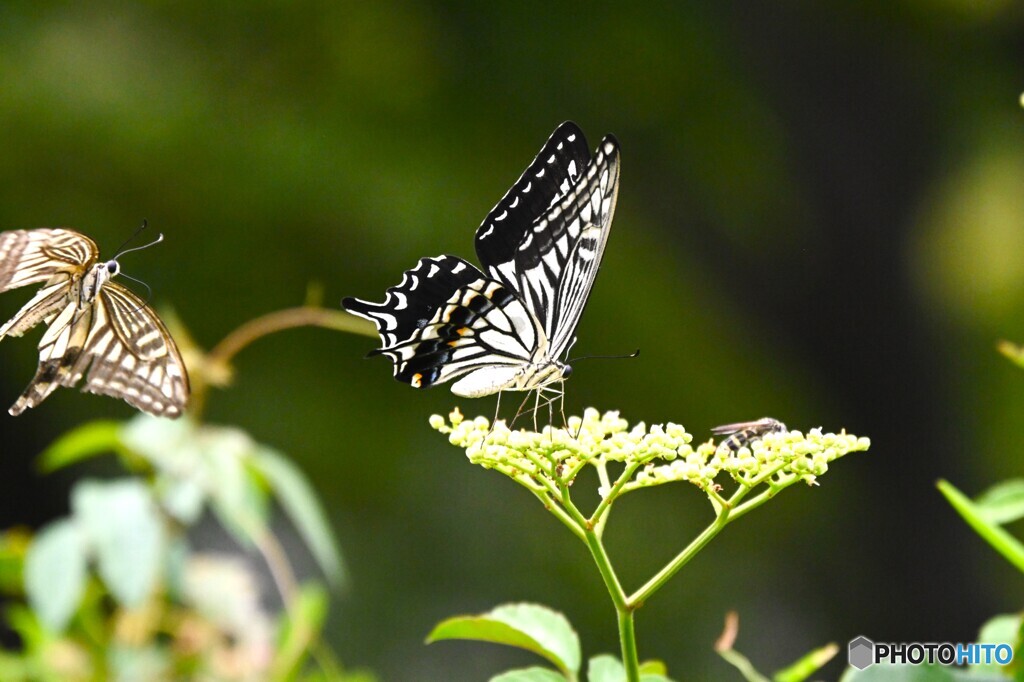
pixel 1003 502
pixel 139 663
pixel 81 443
pixel 55 573
pixel 1003 629
pixel 182 498
pixel 529 675
pixel 14 668
pixel 605 668
pixel 608 668
pixel 299 501
pixel 14 545
pixel 527 626
pixel 301 626
pixel 126 533
pixel 1003 542
pixel 807 665
pixel 238 499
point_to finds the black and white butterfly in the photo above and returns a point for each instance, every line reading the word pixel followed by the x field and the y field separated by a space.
pixel 742 434
pixel 506 328
pixel 96 328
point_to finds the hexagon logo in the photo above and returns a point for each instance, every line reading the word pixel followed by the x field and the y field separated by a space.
pixel 861 652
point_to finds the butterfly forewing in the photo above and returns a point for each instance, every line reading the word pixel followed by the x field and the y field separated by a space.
pixel 546 237
pixel 94 326
pixel 32 256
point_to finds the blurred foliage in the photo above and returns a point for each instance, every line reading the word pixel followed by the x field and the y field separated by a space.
pixel 817 221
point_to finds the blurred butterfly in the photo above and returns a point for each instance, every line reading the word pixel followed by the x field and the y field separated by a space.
pixel 96 327
pixel 504 329
pixel 742 434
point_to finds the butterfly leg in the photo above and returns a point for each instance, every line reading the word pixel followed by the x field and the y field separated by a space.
pixel 497 411
pixel 519 411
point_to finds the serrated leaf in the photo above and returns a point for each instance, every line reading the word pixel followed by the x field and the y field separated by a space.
pixel 123 529
pixel 526 626
pixel 807 665
pixel 81 443
pixel 1001 541
pixel 1003 502
pixel 299 501
pixel 55 573
pixel 529 675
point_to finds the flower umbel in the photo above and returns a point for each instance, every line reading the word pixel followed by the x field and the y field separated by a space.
pixel 548 460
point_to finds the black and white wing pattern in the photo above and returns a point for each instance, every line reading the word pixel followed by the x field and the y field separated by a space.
pixel 96 328
pixel 546 237
pixel 505 328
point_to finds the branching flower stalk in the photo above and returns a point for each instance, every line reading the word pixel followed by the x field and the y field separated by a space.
pixel 547 463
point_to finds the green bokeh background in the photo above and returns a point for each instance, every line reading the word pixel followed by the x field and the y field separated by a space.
pixel 820 218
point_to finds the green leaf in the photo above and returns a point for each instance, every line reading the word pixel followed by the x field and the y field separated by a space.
pixel 124 530
pixel 299 501
pixel 608 668
pixel 605 668
pixel 1003 542
pixel 81 443
pixel 238 500
pixel 55 573
pixel 807 665
pixel 1004 629
pixel 529 675
pixel 653 667
pixel 1003 502
pixel 301 627
pixel 527 626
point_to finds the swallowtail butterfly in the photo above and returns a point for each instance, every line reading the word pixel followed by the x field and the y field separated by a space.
pixel 745 433
pixel 506 328
pixel 96 327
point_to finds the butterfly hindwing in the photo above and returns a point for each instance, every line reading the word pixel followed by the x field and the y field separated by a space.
pixel 130 355
pixel 446 319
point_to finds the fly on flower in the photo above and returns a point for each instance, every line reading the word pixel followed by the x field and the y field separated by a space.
pixel 743 433
pixel 508 328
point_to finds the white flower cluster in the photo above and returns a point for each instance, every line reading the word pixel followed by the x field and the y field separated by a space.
pixel 661 454
pixel 774 457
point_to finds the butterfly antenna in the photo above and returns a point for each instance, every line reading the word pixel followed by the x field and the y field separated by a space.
pixel 149 290
pixel 159 238
pixel 634 354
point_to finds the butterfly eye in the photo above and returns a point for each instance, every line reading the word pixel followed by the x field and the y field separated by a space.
pixel 112 267
pixel 566 372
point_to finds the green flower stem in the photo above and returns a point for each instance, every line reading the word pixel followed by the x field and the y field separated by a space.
pixel 638 598
pixel 627 634
pixel 560 514
pixel 627 637
pixel 598 517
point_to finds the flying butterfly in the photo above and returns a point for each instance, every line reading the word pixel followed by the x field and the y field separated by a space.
pixel 744 433
pixel 506 328
pixel 96 327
